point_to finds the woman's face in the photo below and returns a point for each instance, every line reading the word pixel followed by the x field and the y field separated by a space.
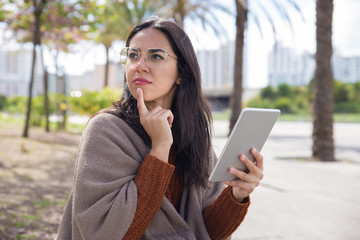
pixel 158 83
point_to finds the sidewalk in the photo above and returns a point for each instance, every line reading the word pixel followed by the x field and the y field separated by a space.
pixel 300 199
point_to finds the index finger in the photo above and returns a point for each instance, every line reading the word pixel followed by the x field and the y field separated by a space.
pixel 258 157
pixel 141 103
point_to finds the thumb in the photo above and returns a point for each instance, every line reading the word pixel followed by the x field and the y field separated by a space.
pixel 141 103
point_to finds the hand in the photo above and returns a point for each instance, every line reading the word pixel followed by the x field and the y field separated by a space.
pixel 157 124
pixel 247 182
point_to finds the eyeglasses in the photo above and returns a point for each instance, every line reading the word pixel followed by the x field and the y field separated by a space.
pixel 154 57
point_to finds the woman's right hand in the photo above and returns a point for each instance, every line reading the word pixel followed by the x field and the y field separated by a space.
pixel 157 124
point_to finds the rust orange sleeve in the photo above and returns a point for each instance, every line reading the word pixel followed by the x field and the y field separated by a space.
pixel 152 182
pixel 224 215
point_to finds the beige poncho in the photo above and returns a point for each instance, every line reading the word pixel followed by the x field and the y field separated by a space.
pixel 103 201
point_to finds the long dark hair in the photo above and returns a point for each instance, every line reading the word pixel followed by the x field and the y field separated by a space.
pixel 192 124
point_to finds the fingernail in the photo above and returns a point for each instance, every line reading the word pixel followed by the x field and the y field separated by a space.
pixel 242 157
pixel 138 91
pixel 254 150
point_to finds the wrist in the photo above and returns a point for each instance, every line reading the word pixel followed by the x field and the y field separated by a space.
pixel 161 151
pixel 238 198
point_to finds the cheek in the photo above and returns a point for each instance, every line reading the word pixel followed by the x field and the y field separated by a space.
pixel 171 75
pixel 132 91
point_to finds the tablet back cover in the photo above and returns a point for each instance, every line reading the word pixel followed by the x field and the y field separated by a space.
pixel 251 130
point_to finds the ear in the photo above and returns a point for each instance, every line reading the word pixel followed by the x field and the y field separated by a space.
pixel 179 80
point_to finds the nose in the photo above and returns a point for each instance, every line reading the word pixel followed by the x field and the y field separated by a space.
pixel 141 65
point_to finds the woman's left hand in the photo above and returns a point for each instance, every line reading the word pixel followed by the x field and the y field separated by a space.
pixel 247 182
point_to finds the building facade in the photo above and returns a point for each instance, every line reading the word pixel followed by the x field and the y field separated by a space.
pixel 287 66
pixel 217 69
pixel 297 69
pixel 15 73
pixel 346 69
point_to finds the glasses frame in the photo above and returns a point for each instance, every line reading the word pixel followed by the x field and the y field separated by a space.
pixel 124 54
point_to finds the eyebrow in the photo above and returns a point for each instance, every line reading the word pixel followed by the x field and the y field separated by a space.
pixel 152 50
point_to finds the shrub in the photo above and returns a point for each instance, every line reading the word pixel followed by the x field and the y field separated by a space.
pixel 284 104
pixel 2 102
pixel 268 92
pixel 91 102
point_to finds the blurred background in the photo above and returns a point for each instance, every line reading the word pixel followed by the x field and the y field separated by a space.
pixel 59 64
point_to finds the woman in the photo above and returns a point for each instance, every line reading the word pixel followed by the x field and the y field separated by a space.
pixel 143 164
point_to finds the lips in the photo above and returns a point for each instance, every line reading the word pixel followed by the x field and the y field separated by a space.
pixel 141 81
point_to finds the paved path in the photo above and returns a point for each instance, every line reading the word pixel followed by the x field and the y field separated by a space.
pixel 301 199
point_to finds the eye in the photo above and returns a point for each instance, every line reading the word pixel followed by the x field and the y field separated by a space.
pixel 133 55
pixel 157 56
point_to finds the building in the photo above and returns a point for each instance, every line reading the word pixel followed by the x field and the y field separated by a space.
pixel 217 69
pixel 94 79
pixel 15 73
pixel 287 66
pixel 297 69
pixel 346 69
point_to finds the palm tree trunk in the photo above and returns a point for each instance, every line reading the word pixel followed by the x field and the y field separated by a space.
pixel 323 143
pixel 235 102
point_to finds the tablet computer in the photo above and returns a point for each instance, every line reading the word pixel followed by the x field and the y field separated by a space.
pixel 251 129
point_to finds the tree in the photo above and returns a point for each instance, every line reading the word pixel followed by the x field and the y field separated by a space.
pixel 236 96
pixel 114 21
pixel 27 21
pixel 242 10
pixel 67 24
pixel 323 142
pixel 33 9
pixel 179 10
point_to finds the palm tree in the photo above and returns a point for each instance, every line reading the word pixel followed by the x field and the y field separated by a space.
pixel 115 20
pixel 236 96
pixel 242 10
pixel 179 10
pixel 323 143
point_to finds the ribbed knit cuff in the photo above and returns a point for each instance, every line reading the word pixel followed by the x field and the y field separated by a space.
pixel 225 214
pixel 153 177
pixel 152 181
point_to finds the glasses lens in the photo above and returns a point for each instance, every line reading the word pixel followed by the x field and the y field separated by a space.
pixel 123 56
pixel 156 58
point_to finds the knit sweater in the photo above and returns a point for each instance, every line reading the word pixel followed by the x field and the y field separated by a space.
pixel 121 192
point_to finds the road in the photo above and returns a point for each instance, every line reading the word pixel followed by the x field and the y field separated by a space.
pixel 300 199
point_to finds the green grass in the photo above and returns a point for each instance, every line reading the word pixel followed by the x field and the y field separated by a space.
pixel 19 121
pixel 338 117
pixel 11 119
pixel 347 117
pixel 223 115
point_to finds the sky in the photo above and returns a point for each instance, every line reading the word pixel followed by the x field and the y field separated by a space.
pixel 346 38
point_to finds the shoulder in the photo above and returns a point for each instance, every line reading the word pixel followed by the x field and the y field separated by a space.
pixel 110 130
pixel 104 117
pixel 107 122
pixel 107 125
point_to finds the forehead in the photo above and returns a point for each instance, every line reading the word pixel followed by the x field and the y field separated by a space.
pixel 150 38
